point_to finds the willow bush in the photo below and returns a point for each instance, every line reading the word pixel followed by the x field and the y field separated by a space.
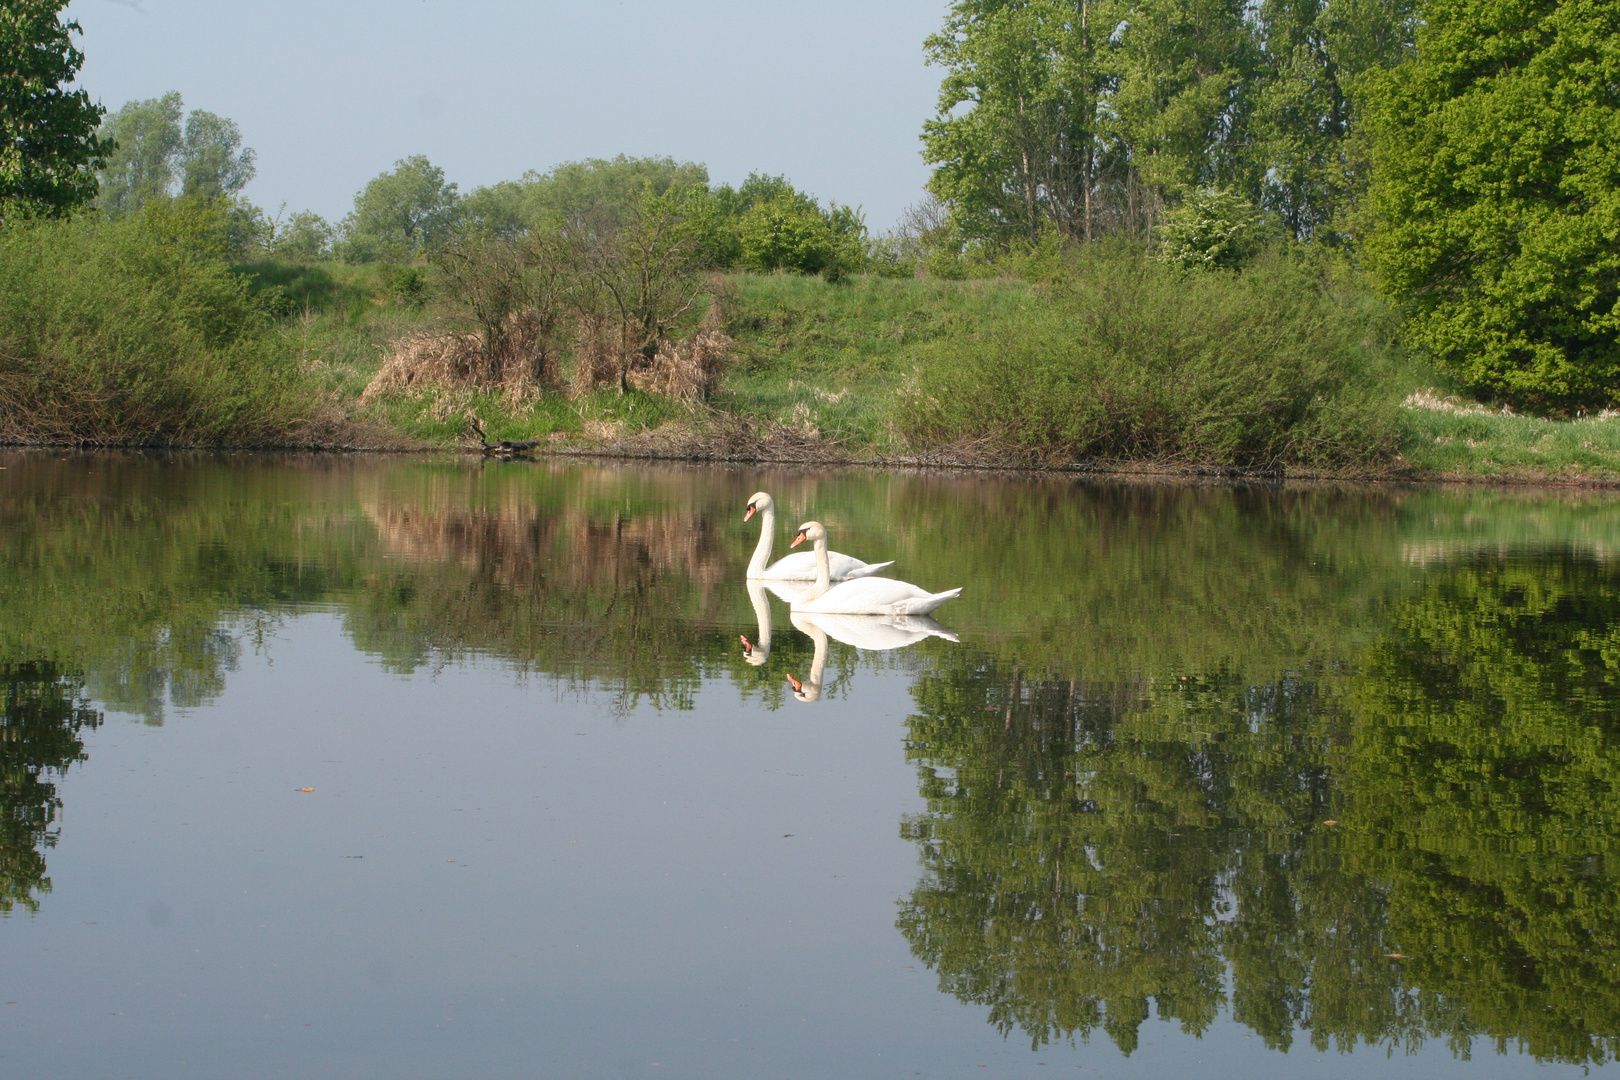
pixel 137 331
pixel 1117 357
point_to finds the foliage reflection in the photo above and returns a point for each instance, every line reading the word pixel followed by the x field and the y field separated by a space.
pixel 42 711
pixel 1418 845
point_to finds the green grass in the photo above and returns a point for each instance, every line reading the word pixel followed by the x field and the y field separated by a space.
pixel 832 357
pixel 1445 437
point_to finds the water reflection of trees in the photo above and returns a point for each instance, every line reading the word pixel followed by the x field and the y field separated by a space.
pixel 1096 848
pixel 42 711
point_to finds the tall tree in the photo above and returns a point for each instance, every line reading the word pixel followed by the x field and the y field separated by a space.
pixel 213 160
pixel 49 146
pixel 400 213
pixel 1187 70
pixel 1495 197
pixel 1015 143
pixel 1317 54
pixel 147 140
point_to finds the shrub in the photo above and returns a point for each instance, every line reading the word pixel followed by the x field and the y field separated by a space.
pixel 136 330
pixel 1123 357
pixel 1212 230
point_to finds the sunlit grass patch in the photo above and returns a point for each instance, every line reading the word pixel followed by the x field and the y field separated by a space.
pixel 1445 435
pixel 861 327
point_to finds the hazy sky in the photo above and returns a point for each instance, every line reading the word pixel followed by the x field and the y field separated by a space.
pixel 831 94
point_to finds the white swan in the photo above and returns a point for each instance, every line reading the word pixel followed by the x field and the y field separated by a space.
pixel 800 566
pixel 864 595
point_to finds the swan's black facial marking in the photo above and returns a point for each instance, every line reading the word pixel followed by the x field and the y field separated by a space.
pixel 750 512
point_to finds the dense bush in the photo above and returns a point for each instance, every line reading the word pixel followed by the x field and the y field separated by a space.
pixel 136 330
pixel 1120 357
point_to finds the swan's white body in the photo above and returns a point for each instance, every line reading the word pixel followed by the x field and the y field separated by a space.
pixel 801 565
pixel 863 595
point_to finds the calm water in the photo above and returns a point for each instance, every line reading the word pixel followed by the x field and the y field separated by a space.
pixel 1217 782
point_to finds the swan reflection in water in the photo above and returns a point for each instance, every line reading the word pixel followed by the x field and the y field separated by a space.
pixel 877 633
pixel 874 632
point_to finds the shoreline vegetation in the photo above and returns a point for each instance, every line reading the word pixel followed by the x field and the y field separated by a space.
pixel 142 333
pixel 1283 245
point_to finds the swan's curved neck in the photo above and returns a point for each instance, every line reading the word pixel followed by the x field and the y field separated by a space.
pixel 823 572
pixel 767 535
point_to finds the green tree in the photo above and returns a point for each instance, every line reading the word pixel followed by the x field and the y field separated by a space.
pixel 147 140
pixel 213 163
pixel 155 155
pixel 641 272
pixel 1186 71
pixel 1017 142
pixel 400 214
pixel 1212 230
pixel 606 189
pixel 304 237
pixel 1495 197
pixel 1306 121
pixel 49 144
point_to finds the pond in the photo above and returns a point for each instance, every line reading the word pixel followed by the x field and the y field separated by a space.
pixel 403 767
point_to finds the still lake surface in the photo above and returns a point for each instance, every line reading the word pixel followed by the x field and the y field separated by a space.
pixel 1217 781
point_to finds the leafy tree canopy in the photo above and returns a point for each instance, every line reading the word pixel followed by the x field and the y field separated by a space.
pixel 49 146
pixel 606 189
pixel 401 213
pixel 1495 198
pixel 1091 117
pixel 155 155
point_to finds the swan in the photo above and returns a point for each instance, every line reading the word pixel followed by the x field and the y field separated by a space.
pixel 864 595
pixel 800 566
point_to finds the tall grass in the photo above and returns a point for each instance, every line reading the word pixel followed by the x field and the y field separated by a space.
pixel 136 331
pixel 1116 357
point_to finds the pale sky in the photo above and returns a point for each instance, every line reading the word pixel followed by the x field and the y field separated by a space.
pixel 832 94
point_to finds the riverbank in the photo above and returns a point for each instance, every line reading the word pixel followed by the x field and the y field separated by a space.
pixel 1114 366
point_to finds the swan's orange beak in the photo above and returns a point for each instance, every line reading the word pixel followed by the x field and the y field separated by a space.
pixel 797 540
pixel 798 687
pixel 749 513
pixel 748 650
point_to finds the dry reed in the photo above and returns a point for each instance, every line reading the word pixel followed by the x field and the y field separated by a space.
pixel 425 362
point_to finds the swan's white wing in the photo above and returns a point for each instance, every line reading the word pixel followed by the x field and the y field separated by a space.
pixel 801 566
pixel 855 569
pixel 876 596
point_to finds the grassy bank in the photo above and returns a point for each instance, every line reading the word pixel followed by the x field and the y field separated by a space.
pixel 136 332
